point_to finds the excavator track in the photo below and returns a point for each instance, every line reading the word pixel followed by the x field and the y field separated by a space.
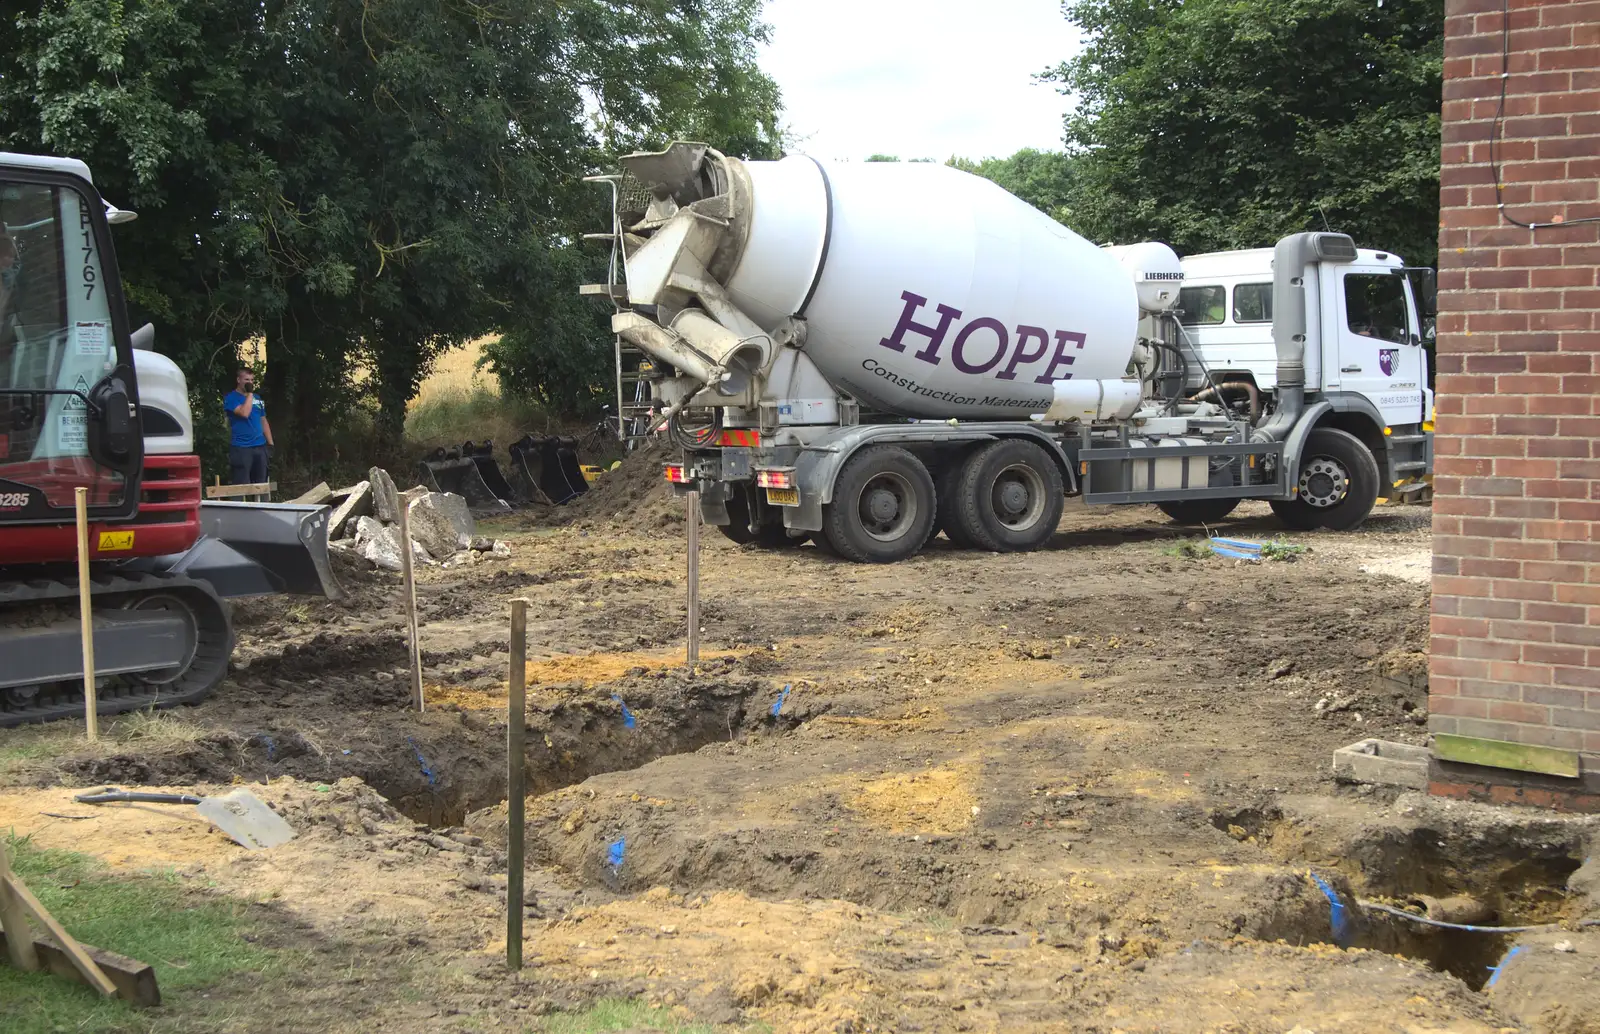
pixel 163 640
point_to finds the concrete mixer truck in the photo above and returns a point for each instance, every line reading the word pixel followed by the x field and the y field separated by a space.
pixel 869 354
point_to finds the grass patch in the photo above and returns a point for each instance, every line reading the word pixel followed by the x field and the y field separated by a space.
pixel 1189 549
pixel 449 416
pixel 193 942
pixel 620 1014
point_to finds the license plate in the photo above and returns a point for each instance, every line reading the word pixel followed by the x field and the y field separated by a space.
pixel 115 541
pixel 783 497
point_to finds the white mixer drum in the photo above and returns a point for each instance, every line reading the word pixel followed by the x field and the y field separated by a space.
pixel 928 291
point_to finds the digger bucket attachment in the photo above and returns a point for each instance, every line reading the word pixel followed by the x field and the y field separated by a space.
pixel 447 470
pixel 489 470
pixel 547 467
pixel 258 549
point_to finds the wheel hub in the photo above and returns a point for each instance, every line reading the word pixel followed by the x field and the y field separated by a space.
pixel 888 506
pixel 1324 482
pixel 882 505
pixel 1018 497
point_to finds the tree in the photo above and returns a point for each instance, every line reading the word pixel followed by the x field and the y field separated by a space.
pixel 368 183
pixel 1219 124
pixel 1044 179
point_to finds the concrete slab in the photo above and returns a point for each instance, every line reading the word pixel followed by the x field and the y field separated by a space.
pixel 1382 762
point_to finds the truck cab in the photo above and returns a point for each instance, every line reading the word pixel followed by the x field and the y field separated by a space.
pixel 1364 353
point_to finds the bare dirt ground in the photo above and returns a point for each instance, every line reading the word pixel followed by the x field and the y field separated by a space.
pixel 1080 789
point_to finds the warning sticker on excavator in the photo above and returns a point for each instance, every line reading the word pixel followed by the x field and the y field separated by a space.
pixel 115 541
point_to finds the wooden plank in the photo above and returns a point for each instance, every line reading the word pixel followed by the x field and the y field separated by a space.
pixel 92 974
pixel 91 701
pixel 229 491
pixel 135 980
pixel 408 576
pixel 13 918
pixel 1520 757
pixel 516 778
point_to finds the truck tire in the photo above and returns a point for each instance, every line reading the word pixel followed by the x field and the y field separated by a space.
pixel 767 536
pixel 1198 511
pixel 1009 497
pixel 1338 483
pixel 947 488
pixel 883 506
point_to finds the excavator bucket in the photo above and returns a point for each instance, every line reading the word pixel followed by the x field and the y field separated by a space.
pixel 489 470
pixel 447 470
pixel 258 549
pixel 548 468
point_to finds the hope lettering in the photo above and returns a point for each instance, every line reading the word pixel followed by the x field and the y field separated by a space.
pixel 982 344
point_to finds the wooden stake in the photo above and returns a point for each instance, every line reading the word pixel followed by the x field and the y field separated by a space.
pixel 90 969
pixel 516 784
pixel 692 518
pixel 411 601
pixel 91 703
pixel 19 942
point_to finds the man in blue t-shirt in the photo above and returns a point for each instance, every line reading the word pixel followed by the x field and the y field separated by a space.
pixel 250 436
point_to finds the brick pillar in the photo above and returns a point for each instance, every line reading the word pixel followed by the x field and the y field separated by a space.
pixel 1516 582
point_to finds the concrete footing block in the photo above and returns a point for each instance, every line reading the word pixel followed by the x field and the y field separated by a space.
pixel 1382 762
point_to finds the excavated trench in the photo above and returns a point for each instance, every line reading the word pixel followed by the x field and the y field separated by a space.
pixel 1507 871
pixel 438 766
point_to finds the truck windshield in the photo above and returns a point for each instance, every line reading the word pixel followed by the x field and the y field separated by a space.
pixel 1375 306
pixel 1252 303
pixel 55 338
pixel 1202 306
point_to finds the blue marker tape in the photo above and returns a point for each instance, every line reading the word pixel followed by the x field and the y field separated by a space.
pixel 422 761
pixel 614 853
pixel 272 748
pixel 1499 968
pixel 1338 918
pixel 627 715
pixel 781 698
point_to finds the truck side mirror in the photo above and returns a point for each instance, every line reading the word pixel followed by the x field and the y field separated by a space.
pixel 1425 288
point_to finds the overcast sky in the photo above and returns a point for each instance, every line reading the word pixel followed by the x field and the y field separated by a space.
pixel 918 78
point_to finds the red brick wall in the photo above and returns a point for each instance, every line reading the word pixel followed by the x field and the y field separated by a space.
pixel 1516 576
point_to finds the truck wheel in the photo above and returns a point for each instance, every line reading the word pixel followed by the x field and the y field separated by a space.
pixel 1009 499
pixel 1198 511
pixel 947 488
pixel 1338 483
pixel 882 506
pixel 767 536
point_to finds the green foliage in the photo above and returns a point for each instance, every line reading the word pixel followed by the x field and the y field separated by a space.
pixel 619 1014
pixel 1223 124
pixel 369 183
pixel 1044 179
pixel 450 417
pixel 1189 549
pixel 1286 551
pixel 191 942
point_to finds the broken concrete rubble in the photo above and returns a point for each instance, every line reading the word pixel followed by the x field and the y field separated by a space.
pixel 357 503
pixel 442 525
pixel 433 529
pixel 385 498
pixel 380 543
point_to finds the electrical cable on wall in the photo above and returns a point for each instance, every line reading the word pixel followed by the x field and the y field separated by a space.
pixel 1494 134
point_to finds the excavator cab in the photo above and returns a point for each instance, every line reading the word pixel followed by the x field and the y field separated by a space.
pixel 71 417
pixel 69 414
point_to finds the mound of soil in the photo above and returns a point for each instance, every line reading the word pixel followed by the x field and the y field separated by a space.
pixel 633 497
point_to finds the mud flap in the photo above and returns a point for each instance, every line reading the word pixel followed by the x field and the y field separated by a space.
pixel 258 549
pixel 549 467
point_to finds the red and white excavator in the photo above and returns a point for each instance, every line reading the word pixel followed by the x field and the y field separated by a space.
pixel 86 402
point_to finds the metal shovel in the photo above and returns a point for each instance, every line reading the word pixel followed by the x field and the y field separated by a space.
pixel 239 813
